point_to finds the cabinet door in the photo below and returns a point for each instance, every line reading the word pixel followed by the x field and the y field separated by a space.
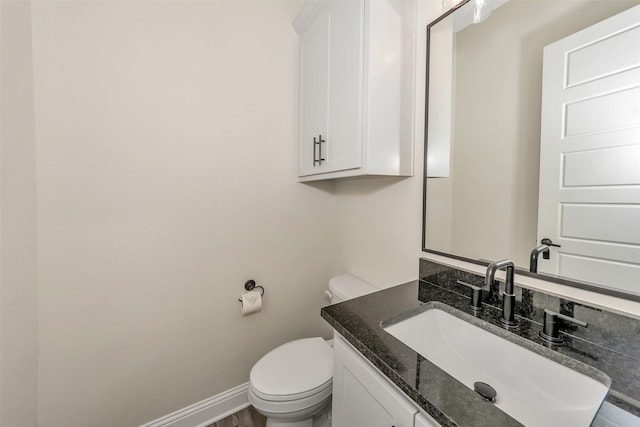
pixel 313 51
pixel 346 85
pixel 362 396
pixel 331 47
pixel 423 420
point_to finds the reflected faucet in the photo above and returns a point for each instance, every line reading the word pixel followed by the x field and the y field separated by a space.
pixel 533 258
pixel 508 297
pixel 545 245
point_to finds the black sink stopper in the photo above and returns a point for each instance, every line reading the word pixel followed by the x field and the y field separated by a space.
pixel 487 392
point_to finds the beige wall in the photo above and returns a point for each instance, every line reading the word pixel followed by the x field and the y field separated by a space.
pixel 166 178
pixel 166 165
pixel 18 264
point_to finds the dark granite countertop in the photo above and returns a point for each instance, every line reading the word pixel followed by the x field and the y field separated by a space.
pixel 448 401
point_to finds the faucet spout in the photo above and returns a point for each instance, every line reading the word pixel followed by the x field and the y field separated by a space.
pixel 508 297
pixel 498 265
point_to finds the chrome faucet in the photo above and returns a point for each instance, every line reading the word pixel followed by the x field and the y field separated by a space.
pixel 508 297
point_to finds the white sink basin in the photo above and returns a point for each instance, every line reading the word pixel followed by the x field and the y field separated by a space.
pixel 531 388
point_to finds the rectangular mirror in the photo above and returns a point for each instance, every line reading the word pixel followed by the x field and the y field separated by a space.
pixel 487 116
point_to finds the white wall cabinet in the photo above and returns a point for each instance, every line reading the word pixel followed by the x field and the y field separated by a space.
pixel 362 396
pixel 356 79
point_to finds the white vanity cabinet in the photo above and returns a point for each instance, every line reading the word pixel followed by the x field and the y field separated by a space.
pixel 356 78
pixel 425 421
pixel 362 396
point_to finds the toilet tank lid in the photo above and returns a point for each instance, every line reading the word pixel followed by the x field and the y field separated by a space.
pixel 347 286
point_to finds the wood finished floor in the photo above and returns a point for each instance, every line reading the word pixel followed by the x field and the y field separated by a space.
pixel 248 417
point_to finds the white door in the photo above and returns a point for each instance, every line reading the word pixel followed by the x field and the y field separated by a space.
pixel 589 199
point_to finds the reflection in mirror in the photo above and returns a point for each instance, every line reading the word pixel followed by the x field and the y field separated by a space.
pixel 483 168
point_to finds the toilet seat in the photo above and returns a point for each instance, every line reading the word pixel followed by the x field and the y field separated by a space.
pixel 292 408
pixel 320 390
pixel 294 370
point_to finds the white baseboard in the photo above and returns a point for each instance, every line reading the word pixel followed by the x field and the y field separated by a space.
pixel 208 411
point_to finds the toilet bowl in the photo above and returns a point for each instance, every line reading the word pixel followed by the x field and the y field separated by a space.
pixel 291 385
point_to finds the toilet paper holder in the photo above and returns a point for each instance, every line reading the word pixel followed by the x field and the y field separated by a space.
pixel 250 285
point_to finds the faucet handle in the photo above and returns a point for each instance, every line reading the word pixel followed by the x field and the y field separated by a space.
pixel 551 326
pixel 476 296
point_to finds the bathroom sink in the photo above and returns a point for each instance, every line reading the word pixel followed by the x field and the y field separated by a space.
pixel 531 384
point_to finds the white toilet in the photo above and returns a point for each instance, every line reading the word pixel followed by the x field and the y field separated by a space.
pixel 291 385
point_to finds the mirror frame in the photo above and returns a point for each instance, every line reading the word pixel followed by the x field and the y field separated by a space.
pixel 547 277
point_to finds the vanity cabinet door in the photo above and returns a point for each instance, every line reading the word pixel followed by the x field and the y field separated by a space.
pixel 423 420
pixel 362 396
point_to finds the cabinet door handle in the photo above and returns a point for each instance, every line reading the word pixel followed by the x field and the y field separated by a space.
pixel 315 144
pixel 319 159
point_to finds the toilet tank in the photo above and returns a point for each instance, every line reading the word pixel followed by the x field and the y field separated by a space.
pixel 347 286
